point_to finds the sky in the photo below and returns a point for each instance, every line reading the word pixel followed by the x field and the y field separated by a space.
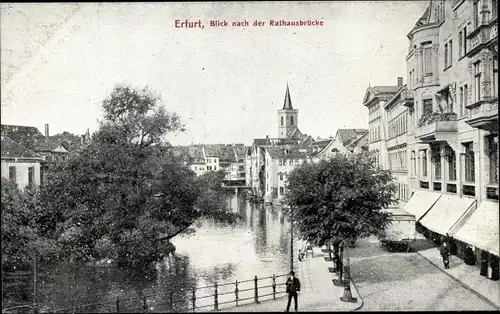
pixel 60 61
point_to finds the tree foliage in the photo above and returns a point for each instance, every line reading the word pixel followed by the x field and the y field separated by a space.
pixel 125 193
pixel 340 198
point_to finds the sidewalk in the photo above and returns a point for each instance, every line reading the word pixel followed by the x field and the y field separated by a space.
pixel 467 275
pixel 317 290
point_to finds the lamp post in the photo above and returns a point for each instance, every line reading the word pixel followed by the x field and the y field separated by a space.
pixel 291 239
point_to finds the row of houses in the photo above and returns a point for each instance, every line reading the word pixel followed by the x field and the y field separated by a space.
pixel 270 160
pixel 202 158
pixel 27 155
pixel 438 133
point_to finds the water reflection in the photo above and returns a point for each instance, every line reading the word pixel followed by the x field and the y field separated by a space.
pixel 258 244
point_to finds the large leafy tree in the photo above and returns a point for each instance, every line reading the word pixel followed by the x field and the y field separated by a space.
pixel 126 194
pixel 339 199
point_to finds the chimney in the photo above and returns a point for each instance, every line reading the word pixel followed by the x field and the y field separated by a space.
pixel 400 81
pixel 47 131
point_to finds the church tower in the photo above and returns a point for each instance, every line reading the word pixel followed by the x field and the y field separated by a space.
pixel 287 117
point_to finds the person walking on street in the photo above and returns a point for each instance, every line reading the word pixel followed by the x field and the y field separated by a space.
pixel 292 288
pixel 445 254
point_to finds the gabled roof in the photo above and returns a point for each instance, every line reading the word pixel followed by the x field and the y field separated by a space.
pixel 288 100
pixel 375 91
pixel 346 135
pixel 261 141
pixel 211 150
pixel 358 142
pixel 12 149
pixel 289 152
pixel 294 133
pixel 26 136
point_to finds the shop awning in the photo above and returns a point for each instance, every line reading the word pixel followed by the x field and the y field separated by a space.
pixel 421 202
pixel 481 229
pixel 446 212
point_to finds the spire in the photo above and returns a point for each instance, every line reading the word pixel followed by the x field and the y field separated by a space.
pixel 288 100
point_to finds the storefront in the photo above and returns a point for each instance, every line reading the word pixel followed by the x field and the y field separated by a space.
pixel 481 230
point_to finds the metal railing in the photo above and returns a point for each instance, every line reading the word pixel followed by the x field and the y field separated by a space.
pixel 212 298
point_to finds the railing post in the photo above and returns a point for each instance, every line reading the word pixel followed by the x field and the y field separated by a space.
pixel 216 301
pixel 193 299
pixel 236 291
pixel 117 304
pixel 144 304
pixel 274 287
pixel 256 296
pixel 172 299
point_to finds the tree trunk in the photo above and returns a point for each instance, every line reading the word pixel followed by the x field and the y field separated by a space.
pixel 336 250
pixel 341 263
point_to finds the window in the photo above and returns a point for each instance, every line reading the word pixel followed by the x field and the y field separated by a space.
pixel 493 158
pixel 469 162
pixel 445 55
pixel 460 50
pixel 476 14
pixel 291 120
pixel 494 8
pixel 466 99
pixel 290 162
pixel 413 163
pixel 451 52
pixel 461 100
pixel 282 190
pixel 428 59
pixel 281 121
pixel 452 164
pixel 427 106
pixel 12 173
pixel 424 162
pixel 281 177
pixel 280 162
pixel 495 78
pixel 436 156
pixel 465 41
pixel 477 81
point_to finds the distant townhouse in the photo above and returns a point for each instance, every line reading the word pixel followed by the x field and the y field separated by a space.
pixel 19 164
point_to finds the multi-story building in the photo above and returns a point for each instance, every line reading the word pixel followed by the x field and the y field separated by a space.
pixel 375 99
pixel 440 132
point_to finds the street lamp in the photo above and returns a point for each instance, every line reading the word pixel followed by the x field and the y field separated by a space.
pixel 291 239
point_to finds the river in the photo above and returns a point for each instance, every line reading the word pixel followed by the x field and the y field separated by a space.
pixel 257 245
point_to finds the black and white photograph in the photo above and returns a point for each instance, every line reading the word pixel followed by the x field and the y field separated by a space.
pixel 245 156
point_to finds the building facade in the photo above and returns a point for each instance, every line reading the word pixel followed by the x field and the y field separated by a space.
pixel 439 132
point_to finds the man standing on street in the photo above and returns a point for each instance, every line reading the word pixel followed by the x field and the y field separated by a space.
pixel 292 288
pixel 445 254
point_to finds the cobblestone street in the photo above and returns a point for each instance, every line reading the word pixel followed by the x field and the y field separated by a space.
pixel 407 282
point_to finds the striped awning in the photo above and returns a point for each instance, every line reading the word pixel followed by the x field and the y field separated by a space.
pixel 482 228
pixel 421 202
pixel 446 212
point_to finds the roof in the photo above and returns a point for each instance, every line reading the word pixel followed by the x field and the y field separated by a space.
pixel 347 135
pixel 359 141
pixel 378 91
pixel 288 100
pixel 430 15
pixel 211 150
pixel 24 135
pixel 261 141
pixel 12 149
pixel 33 139
pixel 289 152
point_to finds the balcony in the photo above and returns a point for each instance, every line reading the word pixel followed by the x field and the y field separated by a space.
pixel 484 115
pixel 407 97
pixel 436 127
pixel 484 36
